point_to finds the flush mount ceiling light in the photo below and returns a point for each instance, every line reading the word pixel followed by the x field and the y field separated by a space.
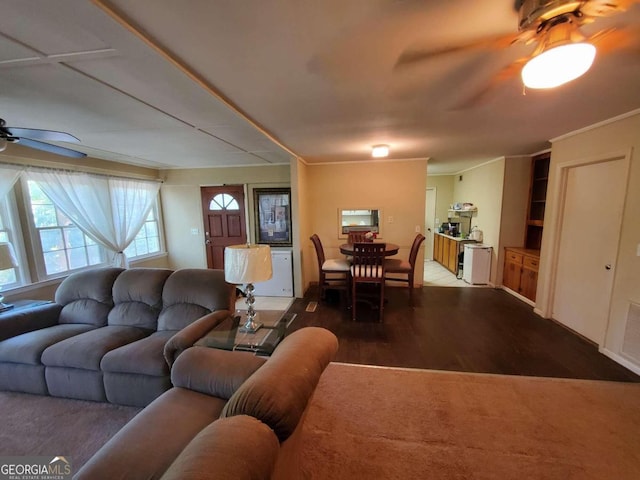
pixel 562 55
pixel 380 151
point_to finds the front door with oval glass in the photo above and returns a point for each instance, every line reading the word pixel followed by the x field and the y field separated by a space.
pixel 224 221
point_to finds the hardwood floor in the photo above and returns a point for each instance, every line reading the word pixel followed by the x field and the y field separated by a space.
pixel 461 329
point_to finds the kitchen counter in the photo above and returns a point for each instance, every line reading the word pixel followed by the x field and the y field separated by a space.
pixel 457 239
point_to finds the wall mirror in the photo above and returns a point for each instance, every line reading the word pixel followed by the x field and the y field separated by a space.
pixel 359 220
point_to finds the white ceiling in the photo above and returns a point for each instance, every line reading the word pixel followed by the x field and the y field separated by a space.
pixel 253 82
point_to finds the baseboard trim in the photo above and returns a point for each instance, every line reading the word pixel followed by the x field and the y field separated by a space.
pixel 518 296
pixel 620 359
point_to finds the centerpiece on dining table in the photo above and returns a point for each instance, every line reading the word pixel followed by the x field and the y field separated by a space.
pixel 370 236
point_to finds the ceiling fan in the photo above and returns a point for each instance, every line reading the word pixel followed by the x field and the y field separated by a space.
pixel 31 137
pixel 562 53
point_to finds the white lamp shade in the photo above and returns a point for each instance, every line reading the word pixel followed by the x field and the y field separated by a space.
pixel 8 257
pixel 247 264
pixel 558 65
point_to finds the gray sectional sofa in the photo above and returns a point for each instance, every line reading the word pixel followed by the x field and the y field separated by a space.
pixel 229 415
pixel 104 337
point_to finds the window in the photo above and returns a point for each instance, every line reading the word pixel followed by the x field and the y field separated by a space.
pixel 223 201
pixel 147 240
pixel 63 246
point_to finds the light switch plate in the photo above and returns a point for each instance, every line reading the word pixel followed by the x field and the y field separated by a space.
pixel 638 250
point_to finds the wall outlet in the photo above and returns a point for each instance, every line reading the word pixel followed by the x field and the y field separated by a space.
pixel 417 228
pixel 390 218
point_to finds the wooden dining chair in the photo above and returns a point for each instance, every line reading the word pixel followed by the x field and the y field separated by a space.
pixel 356 237
pixel 333 272
pixel 367 267
pixel 406 268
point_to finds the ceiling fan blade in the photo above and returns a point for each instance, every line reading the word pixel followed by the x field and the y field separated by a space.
pixel 414 55
pixel 67 152
pixel 606 8
pixel 36 134
pixel 481 95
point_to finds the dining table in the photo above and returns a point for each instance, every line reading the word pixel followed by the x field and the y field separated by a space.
pixel 390 249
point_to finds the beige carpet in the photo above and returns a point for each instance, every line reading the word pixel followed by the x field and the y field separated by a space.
pixel 387 423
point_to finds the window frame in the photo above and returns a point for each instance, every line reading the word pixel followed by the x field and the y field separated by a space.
pixel 37 253
pixel 156 208
pixel 13 227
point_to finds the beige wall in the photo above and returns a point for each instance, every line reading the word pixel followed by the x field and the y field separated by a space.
pixel 444 194
pixel 483 186
pixel 621 136
pixel 181 205
pixel 395 187
pixel 303 229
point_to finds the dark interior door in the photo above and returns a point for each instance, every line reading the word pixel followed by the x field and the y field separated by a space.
pixel 224 221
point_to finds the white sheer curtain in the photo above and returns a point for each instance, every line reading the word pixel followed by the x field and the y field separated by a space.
pixel 9 174
pixel 109 210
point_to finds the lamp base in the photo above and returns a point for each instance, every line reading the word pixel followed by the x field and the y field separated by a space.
pixel 250 327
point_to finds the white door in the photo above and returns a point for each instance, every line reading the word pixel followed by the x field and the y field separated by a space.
pixel 429 221
pixel 591 222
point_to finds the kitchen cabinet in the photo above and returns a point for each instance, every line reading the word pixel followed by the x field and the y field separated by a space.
pixel 521 271
pixel 446 250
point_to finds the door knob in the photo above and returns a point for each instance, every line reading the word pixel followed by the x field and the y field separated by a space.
pixel 607 266
pixel 207 242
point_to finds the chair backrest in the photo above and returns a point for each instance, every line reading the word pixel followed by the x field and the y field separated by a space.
pixel 413 254
pixel 368 260
pixel 319 250
pixel 356 237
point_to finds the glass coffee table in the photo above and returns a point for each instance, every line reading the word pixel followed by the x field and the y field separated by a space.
pixel 226 336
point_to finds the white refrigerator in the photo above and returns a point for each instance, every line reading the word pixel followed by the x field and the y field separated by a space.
pixel 281 284
pixel 476 266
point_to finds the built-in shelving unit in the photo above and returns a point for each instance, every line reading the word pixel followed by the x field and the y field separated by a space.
pixel 537 200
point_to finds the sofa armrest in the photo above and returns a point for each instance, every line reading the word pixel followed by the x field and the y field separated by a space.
pixel 278 393
pixel 190 334
pixel 214 372
pixel 29 319
pixel 240 448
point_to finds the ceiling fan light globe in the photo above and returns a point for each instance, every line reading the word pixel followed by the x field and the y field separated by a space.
pixel 558 65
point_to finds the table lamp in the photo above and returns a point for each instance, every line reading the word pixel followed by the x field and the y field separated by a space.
pixel 248 264
pixel 7 260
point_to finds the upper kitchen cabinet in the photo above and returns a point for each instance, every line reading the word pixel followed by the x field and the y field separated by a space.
pixel 537 200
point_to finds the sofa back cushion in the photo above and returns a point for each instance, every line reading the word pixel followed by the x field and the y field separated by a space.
pixel 137 297
pixel 86 297
pixel 190 293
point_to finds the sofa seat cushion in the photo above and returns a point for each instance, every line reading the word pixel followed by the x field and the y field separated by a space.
pixel 87 349
pixel 147 445
pixel 28 347
pixel 143 356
